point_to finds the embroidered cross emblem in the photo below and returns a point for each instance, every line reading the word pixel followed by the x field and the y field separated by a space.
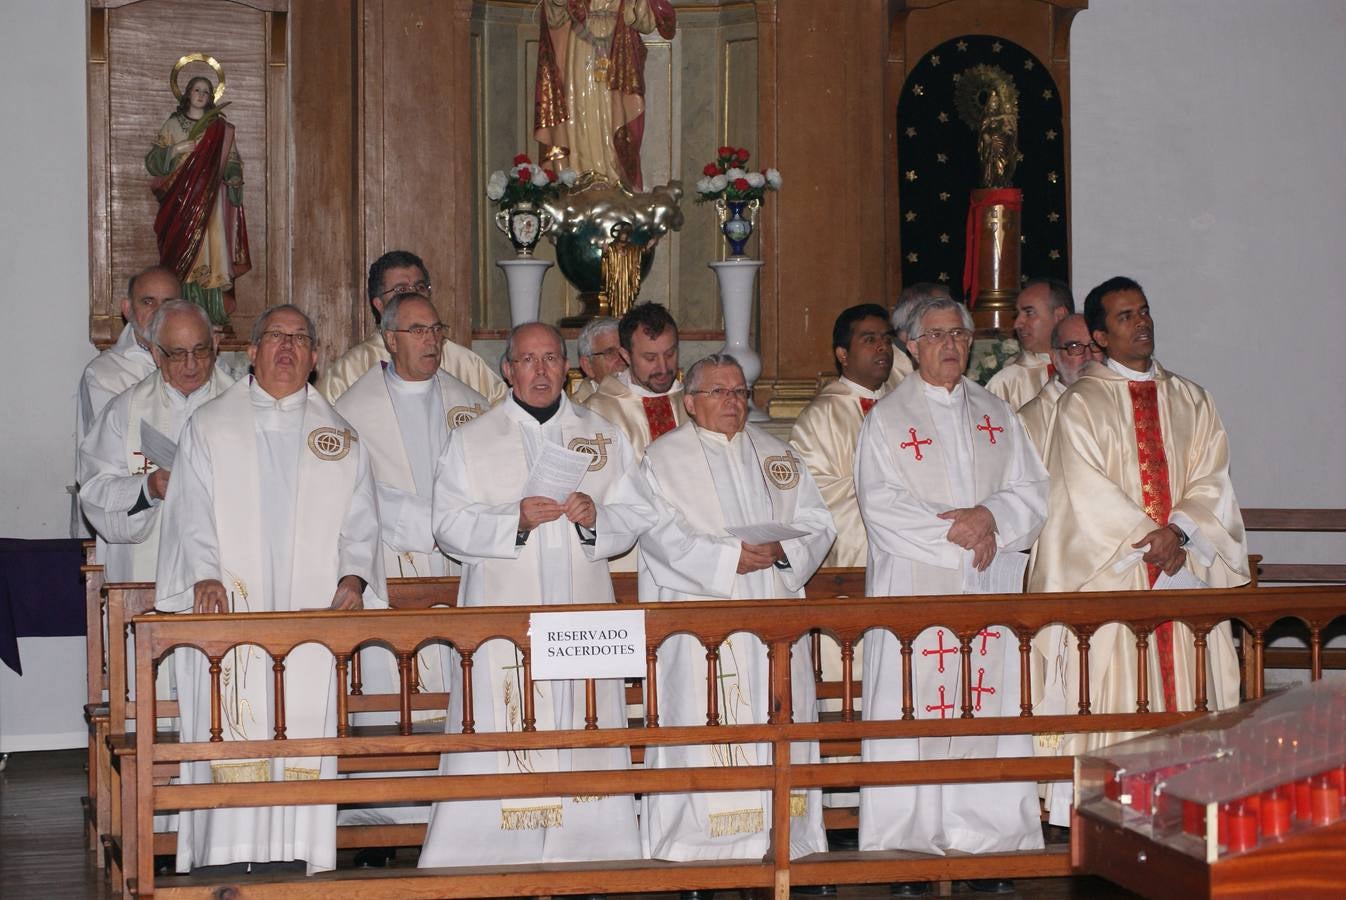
pixel 144 465
pixel 985 634
pixel 979 690
pixel 989 428
pixel 941 705
pixel 939 653
pixel 915 444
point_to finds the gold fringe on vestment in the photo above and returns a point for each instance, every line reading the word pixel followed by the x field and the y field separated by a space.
pixel 529 818
pixel 240 772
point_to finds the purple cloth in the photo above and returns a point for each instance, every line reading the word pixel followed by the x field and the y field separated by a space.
pixel 41 593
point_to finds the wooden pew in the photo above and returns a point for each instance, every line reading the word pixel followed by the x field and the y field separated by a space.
pixel 96 803
pixel 778 624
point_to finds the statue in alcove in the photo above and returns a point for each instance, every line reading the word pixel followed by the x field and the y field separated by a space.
pixel 198 180
pixel 589 100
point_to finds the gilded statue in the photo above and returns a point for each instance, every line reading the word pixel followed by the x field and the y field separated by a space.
pixel 989 104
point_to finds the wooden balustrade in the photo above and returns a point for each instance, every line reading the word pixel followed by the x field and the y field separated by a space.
pixel 777 623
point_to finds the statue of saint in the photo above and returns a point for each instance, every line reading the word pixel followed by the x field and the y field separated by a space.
pixel 589 100
pixel 998 142
pixel 198 180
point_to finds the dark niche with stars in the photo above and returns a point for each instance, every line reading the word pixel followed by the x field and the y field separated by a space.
pixel 938 165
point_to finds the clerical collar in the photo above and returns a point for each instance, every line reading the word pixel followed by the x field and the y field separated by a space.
pixel 1132 374
pixel 707 434
pixel 400 384
pixel 541 413
pixel 861 389
pixel 942 394
pixel 1044 358
pixel 260 396
pixel 624 376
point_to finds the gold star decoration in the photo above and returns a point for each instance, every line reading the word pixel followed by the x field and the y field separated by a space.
pixel 957 76
pixel 1023 279
pixel 941 157
pixel 1051 176
pixel 944 195
pixel 1051 134
pixel 1028 65
pixel 943 117
pixel 912 257
pixel 996 47
pixel 943 276
pixel 911 175
pixel 934 60
pixel 911 216
pixel 962 46
pixel 1054 254
pixel 918 90
pixel 1053 216
pixel 1023 239
pixel 944 238
pixel 911 132
pixel 1047 94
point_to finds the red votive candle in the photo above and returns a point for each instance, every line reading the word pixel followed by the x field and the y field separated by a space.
pixel 1276 809
pixel 1303 809
pixel 1325 802
pixel 1194 818
pixel 1253 804
pixel 1337 778
pixel 1141 789
pixel 1242 829
pixel 1112 788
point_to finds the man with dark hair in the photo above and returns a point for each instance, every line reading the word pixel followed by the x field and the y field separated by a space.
pixel 1041 304
pixel 1140 499
pixel 645 400
pixel 402 272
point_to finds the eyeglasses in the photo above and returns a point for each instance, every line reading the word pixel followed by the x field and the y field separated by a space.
pixel 1078 348
pixel 606 354
pixel 198 353
pixel 420 331
pixel 532 359
pixel 939 336
pixel 721 394
pixel 276 336
pixel 416 287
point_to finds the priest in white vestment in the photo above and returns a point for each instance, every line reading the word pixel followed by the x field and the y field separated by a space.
pixel 600 355
pixel 912 296
pixel 1040 305
pixel 1072 350
pixel 1141 498
pixel 713 473
pixel 401 272
pixel 518 549
pixel 950 489
pixel 271 507
pixel 127 362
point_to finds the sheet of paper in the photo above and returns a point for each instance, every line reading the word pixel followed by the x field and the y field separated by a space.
pixel 1184 580
pixel 1005 574
pixel 596 644
pixel 556 472
pixel 764 532
pixel 1131 559
pixel 156 446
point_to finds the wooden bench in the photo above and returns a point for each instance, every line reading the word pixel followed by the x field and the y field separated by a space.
pixel 778 624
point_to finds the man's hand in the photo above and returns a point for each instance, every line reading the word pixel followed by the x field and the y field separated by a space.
pixel 349 593
pixel 983 552
pixel 755 557
pixel 156 483
pixel 209 596
pixel 1164 550
pixel 581 510
pixel 971 526
pixel 535 511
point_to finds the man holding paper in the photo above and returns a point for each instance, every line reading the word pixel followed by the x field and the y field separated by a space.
pixel 950 488
pixel 533 497
pixel 126 459
pixel 739 517
pixel 1140 498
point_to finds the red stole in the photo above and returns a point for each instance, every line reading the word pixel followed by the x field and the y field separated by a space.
pixel 866 404
pixel 1158 503
pixel 659 413
pixel 1051 371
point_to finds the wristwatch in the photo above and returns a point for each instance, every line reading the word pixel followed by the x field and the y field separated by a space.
pixel 1183 539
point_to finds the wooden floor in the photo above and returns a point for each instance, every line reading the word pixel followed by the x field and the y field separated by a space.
pixel 42 852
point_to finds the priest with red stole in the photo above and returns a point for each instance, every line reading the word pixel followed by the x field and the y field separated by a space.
pixel 1140 498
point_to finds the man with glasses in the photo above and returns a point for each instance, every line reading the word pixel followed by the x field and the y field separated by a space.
pixel 271 508
pixel 401 272
pixel 1072 351
pixel 518 549
pixel 708 477
pixel 1141 498
pixel 600 356
pixel 1041 304
pixel 949 488
pixel 121 484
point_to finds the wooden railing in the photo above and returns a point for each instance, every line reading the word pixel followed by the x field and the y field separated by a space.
pixel 778 624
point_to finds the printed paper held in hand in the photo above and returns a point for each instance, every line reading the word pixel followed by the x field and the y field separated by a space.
pixel 556 472
pixel 1005 574
pixel 156 446
pixel 764 532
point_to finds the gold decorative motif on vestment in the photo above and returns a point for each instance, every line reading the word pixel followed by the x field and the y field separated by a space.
pixel 461 415
pixel 783 471
pixel 330 444
pixel 596 447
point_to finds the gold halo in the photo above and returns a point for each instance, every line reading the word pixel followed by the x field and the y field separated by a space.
pixel 197 57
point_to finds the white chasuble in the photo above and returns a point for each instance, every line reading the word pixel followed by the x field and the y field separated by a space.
pixel 458 361
pixel 1021 378
pixel 275 499
pixel 922 451
pixel 478 485
pixel 1097 512
pixel 702 482
pixel 1038 414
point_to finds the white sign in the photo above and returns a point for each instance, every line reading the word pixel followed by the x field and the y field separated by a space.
pixel 599 644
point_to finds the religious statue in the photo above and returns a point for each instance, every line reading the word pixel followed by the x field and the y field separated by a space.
pixel 988 102
pixel 589 100
pixel 198 180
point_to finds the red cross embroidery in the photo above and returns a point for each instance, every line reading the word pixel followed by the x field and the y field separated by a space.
pixel 941 705
pixel 979 690
pixel 939 654
pixel 915 444
pixel 984 634
pixel 144 466
pixel 989 428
